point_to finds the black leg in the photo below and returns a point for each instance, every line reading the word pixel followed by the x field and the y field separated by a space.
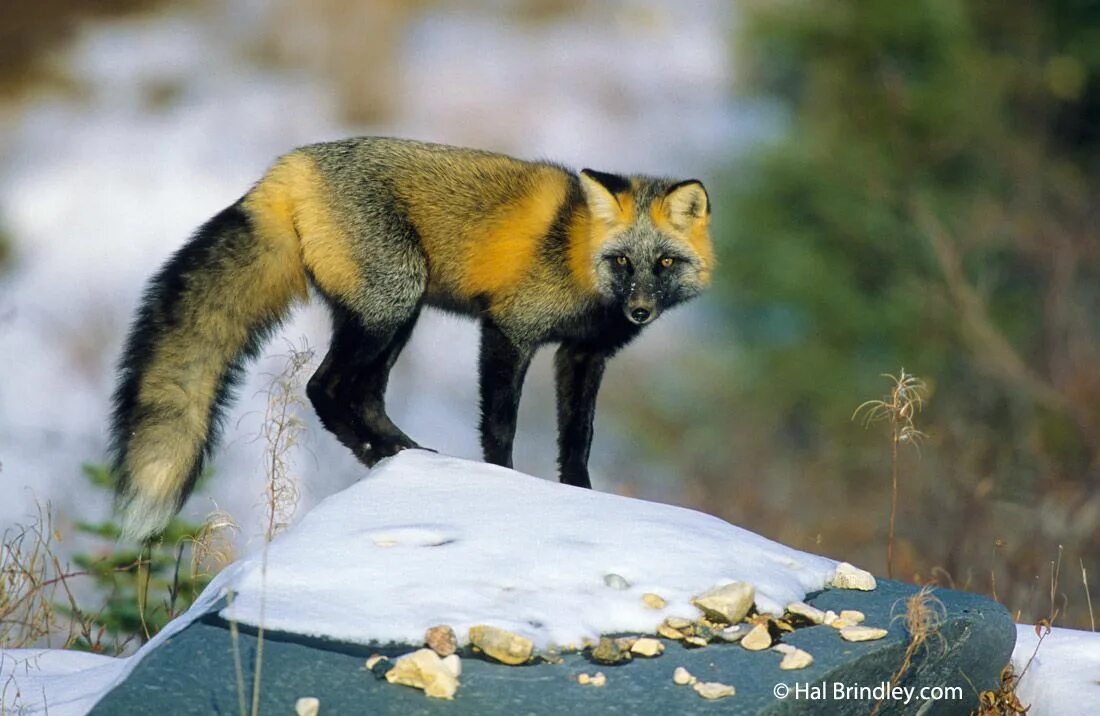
pixel 503 365
pixel 348 390
pixel 578 372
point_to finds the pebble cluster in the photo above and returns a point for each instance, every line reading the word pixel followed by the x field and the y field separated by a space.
pixel 727 614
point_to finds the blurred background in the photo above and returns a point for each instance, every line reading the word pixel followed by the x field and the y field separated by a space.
pixel 895 185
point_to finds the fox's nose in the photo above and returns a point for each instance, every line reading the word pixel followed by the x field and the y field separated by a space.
pixel 640 315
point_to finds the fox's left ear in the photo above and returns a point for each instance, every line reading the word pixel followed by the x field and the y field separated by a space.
pixel 687 203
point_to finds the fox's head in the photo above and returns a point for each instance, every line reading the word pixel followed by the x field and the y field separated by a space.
pixel 650 241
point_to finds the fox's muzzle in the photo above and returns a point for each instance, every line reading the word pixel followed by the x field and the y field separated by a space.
pixel 641 308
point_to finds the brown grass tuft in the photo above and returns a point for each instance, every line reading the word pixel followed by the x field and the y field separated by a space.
pixel 924 613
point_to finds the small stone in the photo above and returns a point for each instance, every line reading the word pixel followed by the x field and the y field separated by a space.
pixel 852 616
pixel 441 639
pixel 648 647
pixel 552 654
pixel 378 665
pixel 307 706
pixel 695 641
pixel 840 623
pixel 862 633
pixel 830 617
pixel 704 631
pixel 626 642
pixel 678 623
pixel 804 611
pixel 423 669
pixel 453 664
pixel 727 604
pixel 682 677
pixel 848 576
pixel 758 639
pixel 796 659
pixel 598 679
pixel 616 581
pixel 731 634
pixel 713 690
pixel 501 644
pixel 654 601
pixel 608 651
pixel 668 632
pixel 784 648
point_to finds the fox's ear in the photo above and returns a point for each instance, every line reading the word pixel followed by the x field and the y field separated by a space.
pixel 686 203
pixel 605 194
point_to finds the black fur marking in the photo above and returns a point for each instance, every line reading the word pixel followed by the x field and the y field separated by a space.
pixel 612 182
pixel 554 248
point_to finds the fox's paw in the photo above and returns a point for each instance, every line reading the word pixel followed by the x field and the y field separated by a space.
pixel 370 453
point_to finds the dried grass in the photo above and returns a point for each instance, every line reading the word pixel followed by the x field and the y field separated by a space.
pixel 899 407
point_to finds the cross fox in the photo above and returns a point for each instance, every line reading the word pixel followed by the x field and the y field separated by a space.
pixel 381 228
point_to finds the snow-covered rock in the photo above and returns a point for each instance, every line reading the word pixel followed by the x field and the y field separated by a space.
pixel 426 539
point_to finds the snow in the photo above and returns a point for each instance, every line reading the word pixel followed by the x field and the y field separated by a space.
pixel 1064 676
pixel 427 539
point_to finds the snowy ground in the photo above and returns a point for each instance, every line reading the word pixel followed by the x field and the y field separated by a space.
pixel 1064 676
pixel 427 539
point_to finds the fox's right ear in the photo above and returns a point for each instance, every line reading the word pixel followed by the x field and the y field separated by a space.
pixel 607 196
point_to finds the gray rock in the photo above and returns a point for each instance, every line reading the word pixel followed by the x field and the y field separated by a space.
pixel 193 672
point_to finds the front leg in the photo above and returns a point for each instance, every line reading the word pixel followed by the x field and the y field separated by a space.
pixel 578 371
pixel 503 365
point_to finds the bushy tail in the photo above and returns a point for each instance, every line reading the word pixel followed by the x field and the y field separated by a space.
pixel 202 315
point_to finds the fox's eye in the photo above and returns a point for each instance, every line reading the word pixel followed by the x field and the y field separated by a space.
pixel 621 260
pixel 667 261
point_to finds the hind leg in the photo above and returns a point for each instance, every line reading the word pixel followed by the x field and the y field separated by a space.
pixel 348 389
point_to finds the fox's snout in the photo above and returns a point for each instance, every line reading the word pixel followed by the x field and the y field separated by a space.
pixel 641 308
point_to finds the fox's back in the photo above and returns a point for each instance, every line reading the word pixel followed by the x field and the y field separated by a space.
pixel 479 216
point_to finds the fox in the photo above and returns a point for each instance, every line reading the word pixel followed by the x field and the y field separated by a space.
pixel 379 228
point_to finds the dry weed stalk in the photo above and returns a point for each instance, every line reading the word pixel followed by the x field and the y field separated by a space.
pixel 212 546
pixel 32 578
pixel 27 584
pixel 281 429
pixel 924 613
pixel 1088 597
pixel 905 400
pixel 1003 700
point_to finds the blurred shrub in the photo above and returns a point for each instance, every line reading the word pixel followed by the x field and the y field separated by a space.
pixel 142 589
pixel 933 202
